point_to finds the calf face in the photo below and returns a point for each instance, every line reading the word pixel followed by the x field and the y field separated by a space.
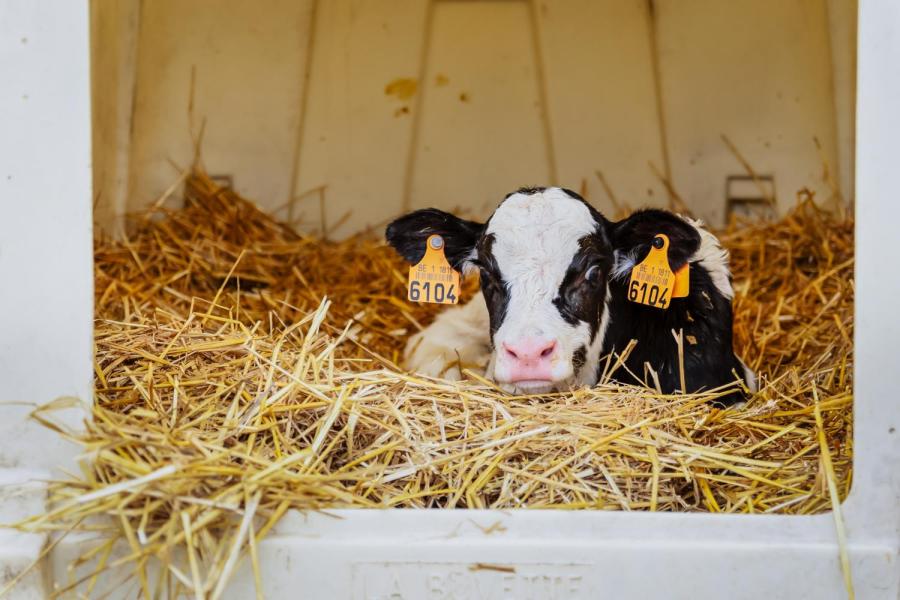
pixel 544 257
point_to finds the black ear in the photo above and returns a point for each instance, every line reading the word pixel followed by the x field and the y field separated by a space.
pixel 631 238
pixel 409 233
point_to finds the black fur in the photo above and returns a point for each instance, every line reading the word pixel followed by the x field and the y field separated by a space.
pixel 493 286
pixel 581 298
pixel 635 234
pixel 409 233
pixel 704 316
pixel 528 191
pixel 578 358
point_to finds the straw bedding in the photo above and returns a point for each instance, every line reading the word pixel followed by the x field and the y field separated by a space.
pixel 243 370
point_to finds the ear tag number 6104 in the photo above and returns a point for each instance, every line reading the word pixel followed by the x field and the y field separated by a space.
pixel 433 279
pixel 652 281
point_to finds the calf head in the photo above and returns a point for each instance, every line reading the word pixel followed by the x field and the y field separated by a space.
pixel 545 259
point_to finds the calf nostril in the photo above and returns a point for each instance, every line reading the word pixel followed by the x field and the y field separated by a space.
pixel 510 352
pixel 548 351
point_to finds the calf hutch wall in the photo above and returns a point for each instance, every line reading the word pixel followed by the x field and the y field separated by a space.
pixel 339 115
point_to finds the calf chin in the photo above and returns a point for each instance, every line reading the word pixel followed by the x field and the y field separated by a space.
pixel 534 388
pixel 530 388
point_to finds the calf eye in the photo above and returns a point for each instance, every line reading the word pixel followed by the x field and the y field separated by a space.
pixel 592 275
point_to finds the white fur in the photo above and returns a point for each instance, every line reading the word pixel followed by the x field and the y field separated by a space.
pixel 536 237
pixel 459 336
pixel 623 262
pixel 713 258
pixel 750 378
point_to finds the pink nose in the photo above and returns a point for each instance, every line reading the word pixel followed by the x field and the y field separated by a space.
pixel 530 359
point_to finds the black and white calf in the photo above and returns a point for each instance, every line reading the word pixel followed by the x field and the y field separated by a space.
pixel 553 303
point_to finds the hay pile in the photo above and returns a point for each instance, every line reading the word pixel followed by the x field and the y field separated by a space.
pixel 243 370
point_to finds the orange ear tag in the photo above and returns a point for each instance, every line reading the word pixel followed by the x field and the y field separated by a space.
pixel 433 279
pixel 652 281
pixel 682 282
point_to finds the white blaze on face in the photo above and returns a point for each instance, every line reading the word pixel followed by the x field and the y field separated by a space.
pixel 536 236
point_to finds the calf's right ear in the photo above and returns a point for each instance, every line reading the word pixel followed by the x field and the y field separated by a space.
pixel 409 233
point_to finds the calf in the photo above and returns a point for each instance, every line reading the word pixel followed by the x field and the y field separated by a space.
pixel 553 299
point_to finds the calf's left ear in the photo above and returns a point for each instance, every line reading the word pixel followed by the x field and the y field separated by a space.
pixel 631 238
pixel 409 233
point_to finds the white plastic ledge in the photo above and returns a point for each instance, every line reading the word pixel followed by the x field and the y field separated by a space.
pixel 415 554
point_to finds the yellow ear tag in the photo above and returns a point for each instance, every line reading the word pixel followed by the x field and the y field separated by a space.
pixel 652 281
pixel 682 282
pixel 433 279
